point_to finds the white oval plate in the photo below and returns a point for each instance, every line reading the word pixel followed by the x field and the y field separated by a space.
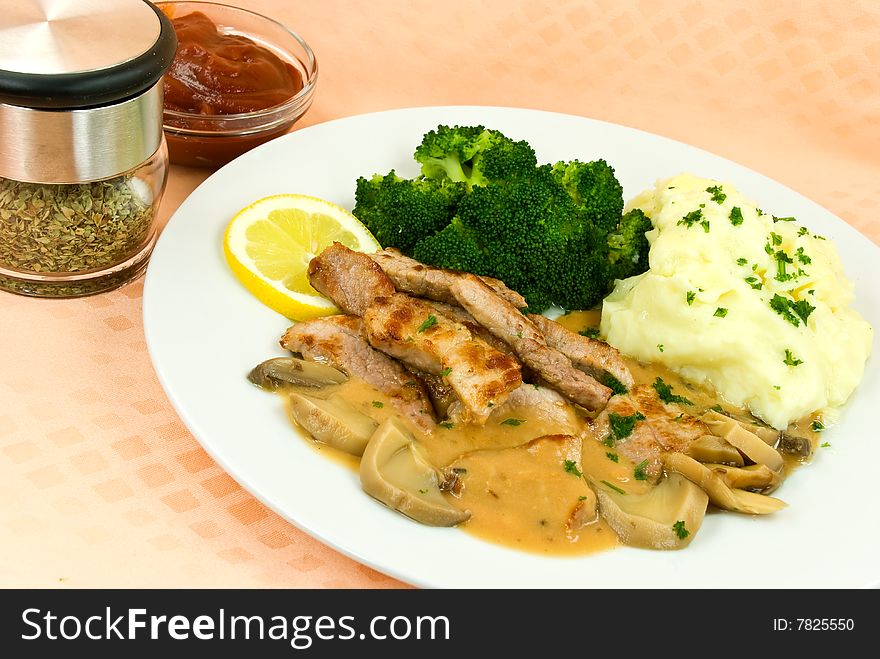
pixel 205 332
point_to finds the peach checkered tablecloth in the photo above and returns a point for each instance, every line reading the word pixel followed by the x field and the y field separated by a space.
pixel 100 482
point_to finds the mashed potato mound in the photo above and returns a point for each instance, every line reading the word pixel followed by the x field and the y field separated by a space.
pixel 755 306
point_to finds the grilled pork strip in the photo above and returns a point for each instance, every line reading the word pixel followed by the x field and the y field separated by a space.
pixel 591 356
pixel 507 323
pixel 340 341
pixel 411 276
pixel 665 428
pixel 417 333
pixel 351 282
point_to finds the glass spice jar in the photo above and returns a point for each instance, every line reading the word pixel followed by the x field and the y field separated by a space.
pixel 83 160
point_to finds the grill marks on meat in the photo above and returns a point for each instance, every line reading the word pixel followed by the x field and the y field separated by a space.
pixel 340 342
pixel 507 323
pixel 481 376
pixel 351 282
pixel 465 336
pixel 666 428
pixel 591 356
pixel 410 276
pixel 417 332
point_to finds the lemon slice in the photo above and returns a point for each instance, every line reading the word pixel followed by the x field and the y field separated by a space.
pixel 269 245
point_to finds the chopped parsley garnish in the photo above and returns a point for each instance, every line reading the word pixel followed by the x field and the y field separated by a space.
pixel 741 261
pixel 736 216
pixel 803 258
pixel 791 360
pixel 691 218
pixel 664 393
pixel 423 491
pixel 783 219
pixel 679 417
pixel 623 426
pixel 639 472
pixel 690 297
pixel 721 312
pixel 660 347
pixel 446 371
pixel 571 467
pixel 512 422
pixel 754 283
pixel 792 311
pixel 448 425
pixel 705 225
pixel 717 195
pixel 769 249
pixel 613 487
pixel 609 441
pixel 378 404
pixel 680 530
pixel 817 426
pixel 803 231
pixel 777 387
pixel 612 456
pixel 613 383
pixel 590 332
pixel 717 408
pixel 582 498
pixel 775 238
pixel 430 321
pixel 781 260
pixel 825 444
pixel 803 309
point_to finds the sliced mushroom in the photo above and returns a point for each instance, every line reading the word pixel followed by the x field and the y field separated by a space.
pixel 767 434
pixel 752 446
pixel 800 447
pixel 280 371
pixel 395 471
pixel 754 477
pixel 659 518
pixel 719 492
pixel 333 421
pixel 710 448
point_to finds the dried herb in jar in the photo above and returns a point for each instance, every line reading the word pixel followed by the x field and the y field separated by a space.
pixel 51 228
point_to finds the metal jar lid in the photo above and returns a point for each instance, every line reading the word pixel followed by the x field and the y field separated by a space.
pixel 80 87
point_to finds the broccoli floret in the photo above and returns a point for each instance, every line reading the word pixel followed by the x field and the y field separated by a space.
pixel 474 155
pixel 399 211
pixel 579 276
pixel 628 247
pixel 527 232
pixel 456 247
pixel 595 190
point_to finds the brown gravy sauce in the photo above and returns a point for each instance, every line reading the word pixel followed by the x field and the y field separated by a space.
pixel 518 490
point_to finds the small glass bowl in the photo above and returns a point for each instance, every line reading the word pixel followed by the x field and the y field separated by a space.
pixel 213 140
